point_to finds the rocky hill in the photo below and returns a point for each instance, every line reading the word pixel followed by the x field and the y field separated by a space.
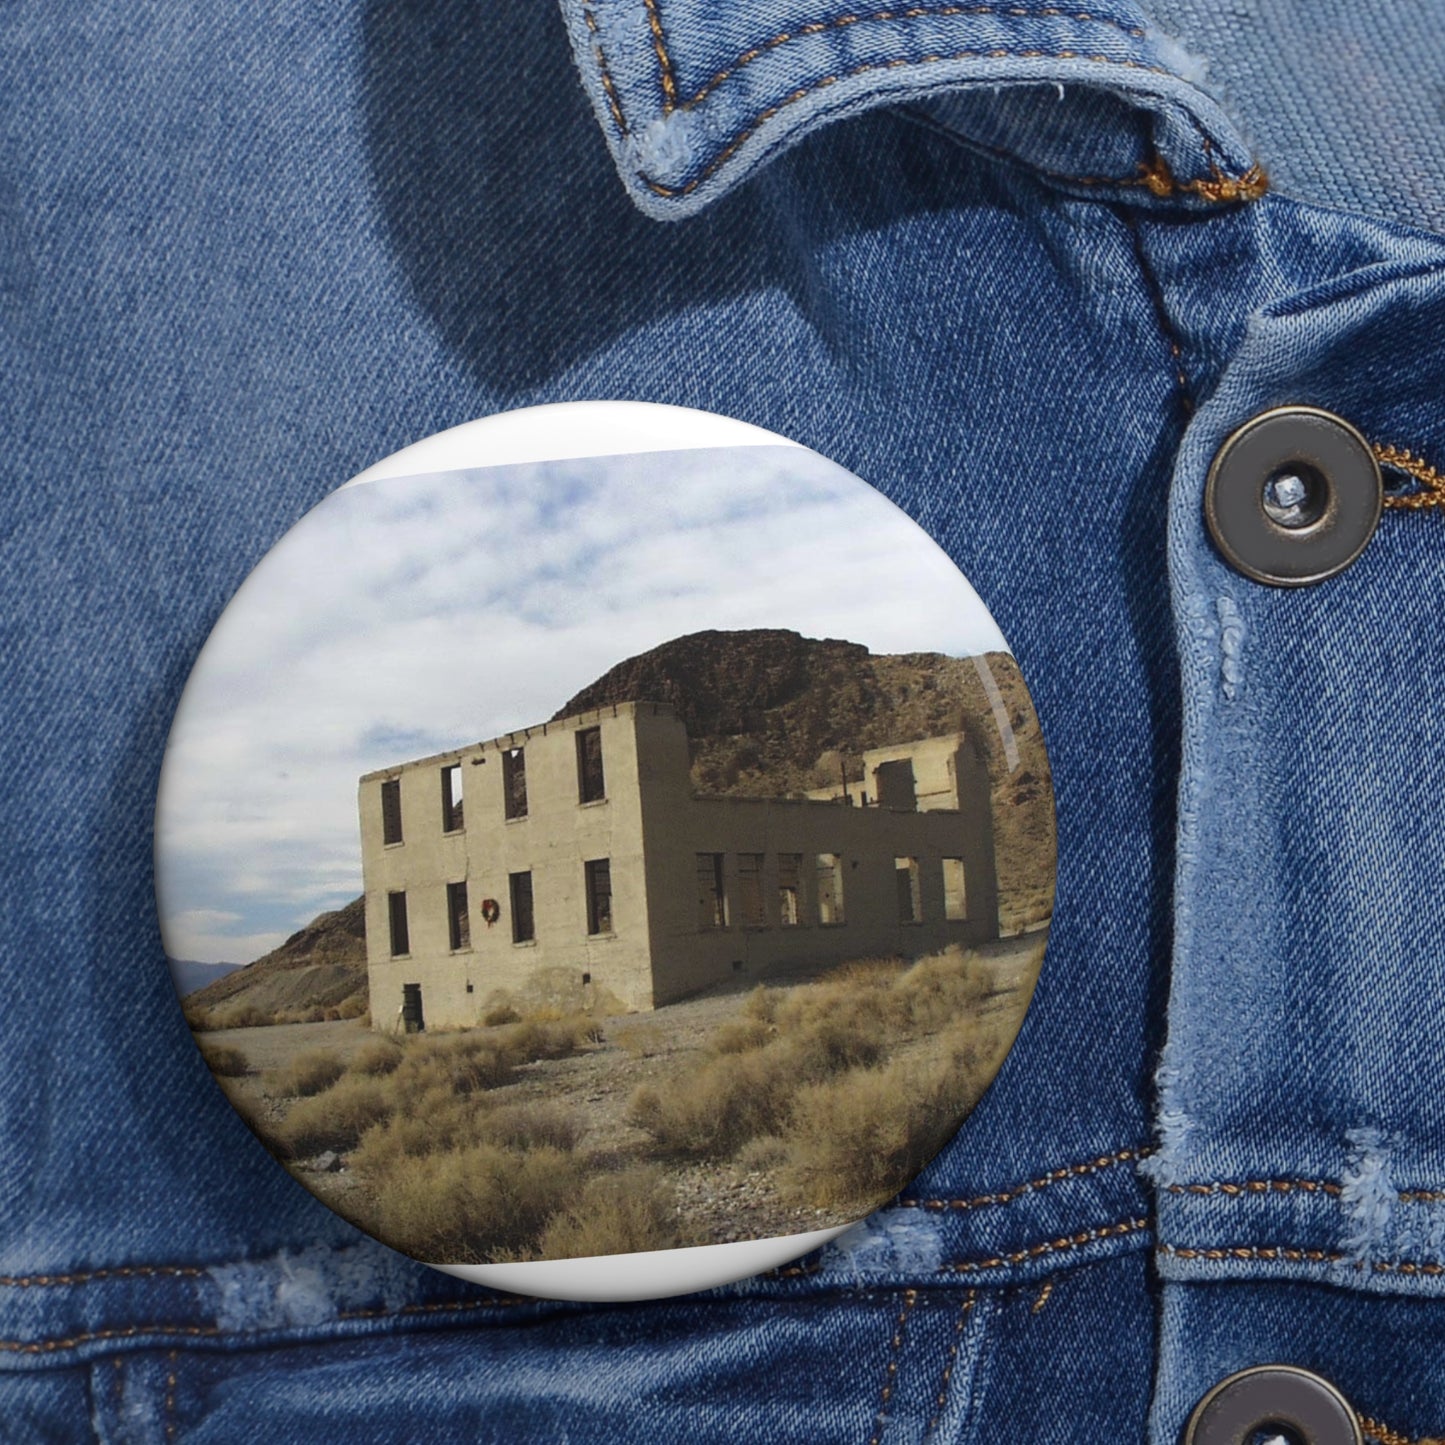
pixel 319 972
pixel 768 713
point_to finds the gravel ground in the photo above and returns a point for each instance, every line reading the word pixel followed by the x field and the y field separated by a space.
pixel 718 1201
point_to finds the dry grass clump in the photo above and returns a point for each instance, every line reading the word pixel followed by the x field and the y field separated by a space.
pixel 816 1037
pixel 616 1214
pixel 854 1141
pixel 377 1058
pixel 640 1041
pixel 335 1119
pixel 501 1013
pixel 474 1204
pixel 307 1074
pixel 225 1061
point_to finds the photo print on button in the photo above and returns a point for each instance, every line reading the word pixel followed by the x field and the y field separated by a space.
pixel 602 830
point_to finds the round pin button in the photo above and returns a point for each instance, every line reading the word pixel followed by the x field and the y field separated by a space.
pixel 588 834
pixel 1293 496
pixel 1279 1399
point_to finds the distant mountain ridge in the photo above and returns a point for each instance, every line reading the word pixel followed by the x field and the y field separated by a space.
pixel 768 712
pixel 189 974
pixel 320 967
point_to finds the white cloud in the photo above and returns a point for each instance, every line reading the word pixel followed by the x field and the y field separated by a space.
pixel 405 617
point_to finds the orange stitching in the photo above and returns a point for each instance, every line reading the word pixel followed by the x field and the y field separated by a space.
pixel 910 1298
pixel 171 1398
pixel 1386 1436
pixel 969 1300
pixel 129 1271
pixel 1252 1251
pixel 1259 1186
pixel 1297 1255
pixel 42 1347
pixel 659 45
pixel 913 12
pixel 1218 189
pixel 1430 479
pixel 1053 1246
pixel 1237 1189
pixel 1043 1298
pixel 612 99
pixel 1054 1176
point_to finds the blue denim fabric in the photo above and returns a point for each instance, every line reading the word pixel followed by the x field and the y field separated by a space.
pixel 247 252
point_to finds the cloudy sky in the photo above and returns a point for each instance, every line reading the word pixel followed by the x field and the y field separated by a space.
pixel 405 617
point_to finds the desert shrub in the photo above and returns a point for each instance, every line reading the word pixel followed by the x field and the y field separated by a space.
pixel 306 1074
pixel 238 1016
pixel 473 1204
pixel 224 1060
pixel 640 1041
pixel 379 1057
pixel 530 1126
pixel 354 1007
pixel 762 1004
pixel 436 1122
pixel 501 1013
pixel 940 991
pixel 558 1038
pixel 738 1036
pixel 855 1140
pixel 711 1111
pixel 616 1214
pixel 335 1119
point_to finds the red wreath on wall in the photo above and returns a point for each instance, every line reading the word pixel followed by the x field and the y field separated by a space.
pixel 491 911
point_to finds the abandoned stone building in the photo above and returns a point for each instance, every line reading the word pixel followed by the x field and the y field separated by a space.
pixel 581 845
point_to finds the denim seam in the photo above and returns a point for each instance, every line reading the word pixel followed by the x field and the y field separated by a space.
pixel 1297 1255
pixel 42 1347
pixel 950 1360
pixel 1432 481
pixel 890 1375
pixel 1053 1246
pixel 1219 189
pixel 1054 1176
pixel 1164 321
pixel 841 22
pixel 170 1402
pixel 1235 1189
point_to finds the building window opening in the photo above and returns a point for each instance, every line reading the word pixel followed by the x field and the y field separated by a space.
pixel 955 890
pixel 391 811
pixel 830 888
pixel 396 918
pixel 514 783
pixel 524 924
pixel 452 798
pixel 790 874
pixel 598 877
pixel 459 921
pixel 751 903
pixel 910 903
pixel 591 786
pixel 712 903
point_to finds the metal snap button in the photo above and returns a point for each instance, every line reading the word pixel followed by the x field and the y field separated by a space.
pixel 1273 1400
pixel 1293 496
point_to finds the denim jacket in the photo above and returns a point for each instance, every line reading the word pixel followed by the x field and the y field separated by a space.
pixel 1023 268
